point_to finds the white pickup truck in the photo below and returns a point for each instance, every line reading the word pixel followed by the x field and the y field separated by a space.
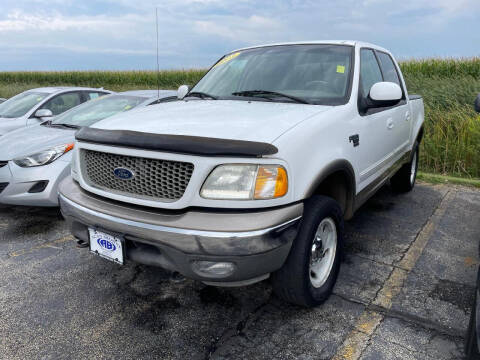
pixel 252 173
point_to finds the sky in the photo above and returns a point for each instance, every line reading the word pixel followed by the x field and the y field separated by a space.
pixel 121 35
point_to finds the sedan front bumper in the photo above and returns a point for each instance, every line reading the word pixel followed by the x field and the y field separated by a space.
pixel 257 242
pixel 19 182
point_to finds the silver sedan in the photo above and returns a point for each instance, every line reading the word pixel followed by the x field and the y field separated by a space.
pixel 37 105
pixel 34 160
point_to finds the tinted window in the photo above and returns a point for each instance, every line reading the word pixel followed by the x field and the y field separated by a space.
pixel 319 74
pixel 20 104
pixel 389 71
pixel 63 102
pixel 369 71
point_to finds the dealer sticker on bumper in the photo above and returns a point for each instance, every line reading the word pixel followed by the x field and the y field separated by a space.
pixel 106 245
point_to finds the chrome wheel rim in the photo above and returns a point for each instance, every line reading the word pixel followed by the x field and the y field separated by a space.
pixel 322 254
pixel 413 169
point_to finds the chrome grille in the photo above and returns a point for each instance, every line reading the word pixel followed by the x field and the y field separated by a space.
pixel 153 179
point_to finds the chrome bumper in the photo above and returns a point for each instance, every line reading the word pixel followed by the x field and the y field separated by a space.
pixel 257 242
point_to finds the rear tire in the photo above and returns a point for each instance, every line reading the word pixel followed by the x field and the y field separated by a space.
pixel 311 269
pixel 404 179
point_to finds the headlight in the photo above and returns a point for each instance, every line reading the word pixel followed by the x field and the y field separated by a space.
pixel 43 157
pixel 246 182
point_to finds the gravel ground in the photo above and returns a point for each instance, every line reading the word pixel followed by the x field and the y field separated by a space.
pixel 404 292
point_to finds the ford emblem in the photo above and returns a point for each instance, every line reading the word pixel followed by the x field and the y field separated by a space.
pixel 124 174
pixel 107 245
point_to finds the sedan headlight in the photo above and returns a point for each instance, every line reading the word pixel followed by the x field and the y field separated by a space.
pixel 246 182
pixel 43 157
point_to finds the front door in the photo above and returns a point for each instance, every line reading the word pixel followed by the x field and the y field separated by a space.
pixel 376 143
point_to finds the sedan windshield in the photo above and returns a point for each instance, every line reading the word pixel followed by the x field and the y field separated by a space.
pixel 315 74
pixel 95 110
pixel 20 104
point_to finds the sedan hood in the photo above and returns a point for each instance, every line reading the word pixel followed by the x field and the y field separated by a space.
pixel 10 124
pixel 226 119
pixel 26 141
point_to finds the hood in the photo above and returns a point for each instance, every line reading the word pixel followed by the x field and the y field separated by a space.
pixel 225 119
pixel 10 124
pixel 26 141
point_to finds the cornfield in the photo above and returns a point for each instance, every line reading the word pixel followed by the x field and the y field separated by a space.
pixel 451 144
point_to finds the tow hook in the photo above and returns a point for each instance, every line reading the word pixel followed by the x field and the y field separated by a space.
pixel 81 243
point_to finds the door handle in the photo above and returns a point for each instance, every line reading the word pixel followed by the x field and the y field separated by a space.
pixel 390 124
pixel 407 116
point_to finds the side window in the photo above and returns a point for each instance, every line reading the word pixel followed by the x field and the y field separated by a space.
pixel 63 102
pixel 369 71
pixel 90 95
pixel 388 68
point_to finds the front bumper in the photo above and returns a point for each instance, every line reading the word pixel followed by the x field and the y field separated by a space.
pixel 21 180
pixel 256 241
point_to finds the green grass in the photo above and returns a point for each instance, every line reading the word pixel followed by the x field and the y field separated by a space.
pixel 452 129
pixel 451 144
pixel 442 179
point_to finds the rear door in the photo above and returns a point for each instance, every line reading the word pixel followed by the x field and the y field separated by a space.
pixel 401 116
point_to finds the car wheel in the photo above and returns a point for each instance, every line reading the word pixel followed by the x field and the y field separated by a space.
pixel 310 271
pixel 404 179
pixel 471 344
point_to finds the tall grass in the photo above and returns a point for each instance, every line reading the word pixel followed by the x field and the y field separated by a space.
pixel 451 144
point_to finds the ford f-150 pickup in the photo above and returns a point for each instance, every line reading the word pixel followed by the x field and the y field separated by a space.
pixel 252 174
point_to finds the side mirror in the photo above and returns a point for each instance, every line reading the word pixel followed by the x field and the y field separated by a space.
pixel 43 113
pixel 182 91
pixel 477 103
pixel 384 94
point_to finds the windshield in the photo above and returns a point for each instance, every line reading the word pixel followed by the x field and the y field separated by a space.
pixel 95 110
pixel 317 74
pixel 20 104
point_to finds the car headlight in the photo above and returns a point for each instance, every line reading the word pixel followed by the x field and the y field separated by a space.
pixel 43 157
pixel 246 182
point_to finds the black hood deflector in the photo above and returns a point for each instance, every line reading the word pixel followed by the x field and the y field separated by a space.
pixel 193 145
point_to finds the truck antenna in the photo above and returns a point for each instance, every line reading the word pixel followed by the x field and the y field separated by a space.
pixel 158 65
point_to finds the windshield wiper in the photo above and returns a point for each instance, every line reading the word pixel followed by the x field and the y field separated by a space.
pixel 201 95
pixel 65 125
pixel 273 93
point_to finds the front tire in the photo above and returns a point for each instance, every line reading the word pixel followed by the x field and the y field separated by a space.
pixel 311 269
pixel 404 179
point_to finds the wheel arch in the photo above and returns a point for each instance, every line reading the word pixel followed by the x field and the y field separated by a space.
pixel 336 180
pixel 420 133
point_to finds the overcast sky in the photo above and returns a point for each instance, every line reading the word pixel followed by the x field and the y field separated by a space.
pixel 120 34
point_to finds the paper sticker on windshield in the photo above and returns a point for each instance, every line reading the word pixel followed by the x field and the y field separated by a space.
pixel 127 107
pixel 340 69
pixel 227 59
pixel 39 98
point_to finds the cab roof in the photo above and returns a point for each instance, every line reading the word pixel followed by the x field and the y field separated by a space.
pixel 56 89
pixel 320 42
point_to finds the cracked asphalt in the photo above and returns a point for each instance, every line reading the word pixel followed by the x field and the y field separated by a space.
pixel 404 292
